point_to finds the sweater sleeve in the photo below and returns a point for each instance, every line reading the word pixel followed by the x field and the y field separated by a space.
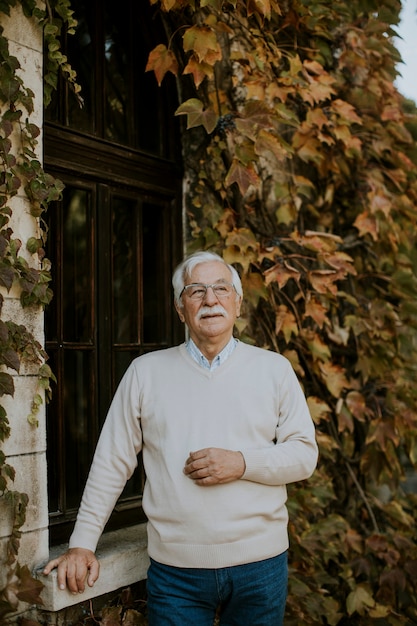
pixel 113 464
pixel 293 456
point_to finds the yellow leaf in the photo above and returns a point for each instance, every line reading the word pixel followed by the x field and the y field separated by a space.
pixel 356 403
pixel 242 238
pixel 202 40
pixel 293 358
pixel 269 146
pixel 359 600
pixel 254 288
pixel 161 60
pixel 319 410
pixel 334 378
pixel 196 115
pixel 319 350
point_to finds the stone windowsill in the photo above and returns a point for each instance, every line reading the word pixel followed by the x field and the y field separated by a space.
pixel 123 561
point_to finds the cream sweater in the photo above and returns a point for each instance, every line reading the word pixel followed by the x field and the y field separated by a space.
pixel 169 405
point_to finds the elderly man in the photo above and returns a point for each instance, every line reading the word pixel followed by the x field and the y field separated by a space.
pixel 223 426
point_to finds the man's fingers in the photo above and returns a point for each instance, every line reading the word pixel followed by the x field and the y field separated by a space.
pixel 73 569
pixel 94 573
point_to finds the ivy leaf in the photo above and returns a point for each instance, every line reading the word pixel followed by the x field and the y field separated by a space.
pixel 196 116
pixel 285 322
pixel 359 600
pixel 334 377
pixel 281 273
pixel 29 588
pixel 202 40
pixel 243 176
pixel 199 71
pixel 6 384
pixel 367 225
pixel 6 276
pixel 161 60
pixel 10 358
pixel 269 146
pixel 254 117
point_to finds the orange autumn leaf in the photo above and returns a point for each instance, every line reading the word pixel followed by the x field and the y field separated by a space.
pixel 281 273
pixel 323 281
pixel 199 71
pixel 317 311
pixel 367 225
pixel 161 60
pixel 285 323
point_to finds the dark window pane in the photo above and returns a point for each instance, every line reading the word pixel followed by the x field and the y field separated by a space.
pixel 117 61
pixel 153 273
pixel 81 53
pixel 125 271
pixel 77 276
pixel 77 406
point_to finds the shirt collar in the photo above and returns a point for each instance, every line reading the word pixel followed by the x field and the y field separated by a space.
pixel 199 357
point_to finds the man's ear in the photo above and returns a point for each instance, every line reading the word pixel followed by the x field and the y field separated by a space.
pixel 179 311
pixel 238 305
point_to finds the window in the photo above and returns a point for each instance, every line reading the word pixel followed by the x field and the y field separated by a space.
pixel 113 240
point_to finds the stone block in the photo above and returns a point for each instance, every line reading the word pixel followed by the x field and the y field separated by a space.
pixel 30 479
pixel 24 437
pixel 123 561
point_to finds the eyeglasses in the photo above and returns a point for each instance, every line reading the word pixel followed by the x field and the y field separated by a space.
pixel 197 291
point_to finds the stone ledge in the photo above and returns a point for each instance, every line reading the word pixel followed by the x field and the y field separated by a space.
pixel 123 560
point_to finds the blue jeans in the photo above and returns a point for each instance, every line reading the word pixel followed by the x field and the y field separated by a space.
pixel 246 595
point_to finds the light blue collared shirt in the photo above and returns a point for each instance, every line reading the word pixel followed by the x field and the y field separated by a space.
pixel 199 357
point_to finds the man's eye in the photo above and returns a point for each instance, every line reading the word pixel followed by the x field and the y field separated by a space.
pixel 197 291
pixel 221 289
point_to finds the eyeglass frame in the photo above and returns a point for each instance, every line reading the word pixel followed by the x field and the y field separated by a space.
pixel 206 286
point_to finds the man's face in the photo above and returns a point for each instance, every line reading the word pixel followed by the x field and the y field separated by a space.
pixel 210 318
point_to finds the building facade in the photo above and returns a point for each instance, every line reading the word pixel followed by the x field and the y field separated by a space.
pixel 113 239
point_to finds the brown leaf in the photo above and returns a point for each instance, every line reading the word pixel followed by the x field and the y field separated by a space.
pixel 111 616
pixel 29 588
pixel 243 176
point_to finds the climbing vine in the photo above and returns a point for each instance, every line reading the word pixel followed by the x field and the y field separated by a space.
pixel 299 161
pixel 21 172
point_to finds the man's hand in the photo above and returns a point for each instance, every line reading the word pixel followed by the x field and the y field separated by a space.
pixel 73 567
pixel 213 466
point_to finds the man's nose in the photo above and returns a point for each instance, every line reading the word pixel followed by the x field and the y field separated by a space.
pixel 210 296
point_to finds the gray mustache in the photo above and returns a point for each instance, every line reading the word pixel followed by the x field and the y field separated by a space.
pixel 217 309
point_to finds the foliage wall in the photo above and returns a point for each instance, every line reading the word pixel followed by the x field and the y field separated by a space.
pixel 298 155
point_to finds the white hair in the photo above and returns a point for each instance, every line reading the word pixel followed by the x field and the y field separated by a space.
pixel 184 270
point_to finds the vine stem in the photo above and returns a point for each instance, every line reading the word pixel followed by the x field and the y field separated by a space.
pixel 363 496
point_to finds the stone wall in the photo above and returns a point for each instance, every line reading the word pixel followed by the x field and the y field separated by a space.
pixel 26 447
